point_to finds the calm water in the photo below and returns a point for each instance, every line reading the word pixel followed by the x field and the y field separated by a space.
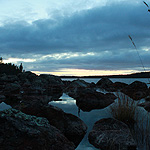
pixel 68 104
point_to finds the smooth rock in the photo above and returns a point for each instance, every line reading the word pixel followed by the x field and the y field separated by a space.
pixel 89 99
pixel 136 90
pixel 110 133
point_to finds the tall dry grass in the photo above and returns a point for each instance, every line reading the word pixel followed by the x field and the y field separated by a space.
pixel 126 110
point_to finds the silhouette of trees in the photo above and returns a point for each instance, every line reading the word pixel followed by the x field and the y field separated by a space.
pixel 21 67
pixel 10 69
pixel 1 60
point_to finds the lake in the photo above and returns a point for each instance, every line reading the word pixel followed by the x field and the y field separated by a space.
pixel 68 105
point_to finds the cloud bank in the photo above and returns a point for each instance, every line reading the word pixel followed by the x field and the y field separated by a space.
pixel 92 39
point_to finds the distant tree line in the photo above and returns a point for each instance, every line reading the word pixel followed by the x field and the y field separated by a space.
pixel 9 68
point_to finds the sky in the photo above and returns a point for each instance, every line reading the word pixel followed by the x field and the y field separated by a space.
pixel 76 37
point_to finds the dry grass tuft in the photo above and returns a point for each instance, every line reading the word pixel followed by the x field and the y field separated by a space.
pixel 124 109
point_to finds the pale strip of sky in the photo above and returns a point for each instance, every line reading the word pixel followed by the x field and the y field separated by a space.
pixel 83 72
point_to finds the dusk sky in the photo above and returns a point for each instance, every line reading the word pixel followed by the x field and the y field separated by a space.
pixel 75 37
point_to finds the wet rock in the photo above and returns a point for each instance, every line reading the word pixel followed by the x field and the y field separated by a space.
pixel 117 86
pixel 72 89
pixel 71 126
pixel 89 99
pixel 110 133
pixel 24 132
pixel 49 85
pixel 105 84
pixel 136 90
pixel 53 85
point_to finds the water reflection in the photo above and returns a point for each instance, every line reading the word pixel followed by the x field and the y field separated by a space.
pixel 68 105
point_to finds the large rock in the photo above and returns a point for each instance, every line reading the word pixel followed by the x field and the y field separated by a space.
pixel 71 126
pixel 8 78
pixel 136 90
pixel 12 88
pixel 33 84
pixel 28 75
pixel 117 86
pixel 110 133
pixel 53 85
pixel 105 84
pixel 89 99
pixel 24 132
pixel 72 89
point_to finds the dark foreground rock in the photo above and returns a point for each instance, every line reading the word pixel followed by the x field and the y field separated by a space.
pixel 111 134
pixel 89 99
pixel 71 126
pixel 136 90
pixel 19 131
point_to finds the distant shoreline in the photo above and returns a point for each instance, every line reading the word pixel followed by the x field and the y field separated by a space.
pixel 134 75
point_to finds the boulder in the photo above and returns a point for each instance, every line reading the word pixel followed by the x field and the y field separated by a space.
pixel 24 132
pixel 8 78
pixel 66 83
pixel 89 99
pixel 105 84
pixel 12 93
pixel 112 134
pixel 117 86
pixel 27 76
pixel 71 126
pixel 51 78
pixel 72 89
pixel 49 85
pixel 53 85
pixel 136 90
pixel 12 88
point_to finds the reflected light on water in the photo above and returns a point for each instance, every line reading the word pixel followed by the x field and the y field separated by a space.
pixel 65 100
pixel 69 102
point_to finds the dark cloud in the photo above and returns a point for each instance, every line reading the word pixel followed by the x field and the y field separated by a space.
pixel 102 30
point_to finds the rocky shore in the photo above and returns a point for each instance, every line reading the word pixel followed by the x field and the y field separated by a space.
pixel 32 123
